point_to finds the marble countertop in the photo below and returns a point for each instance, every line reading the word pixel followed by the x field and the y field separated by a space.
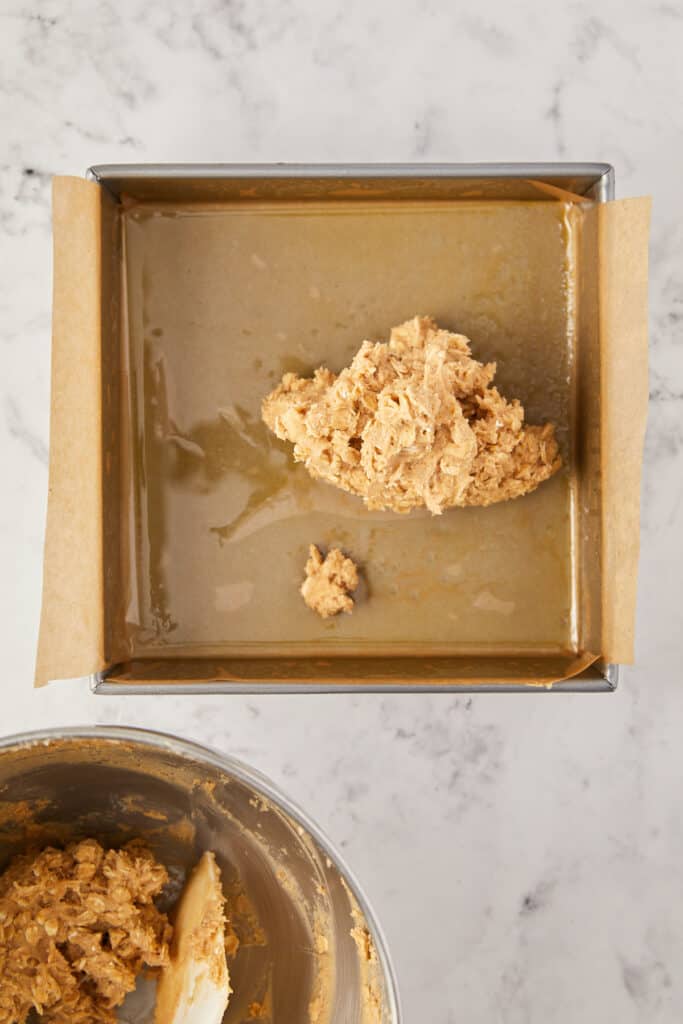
pixel 525 854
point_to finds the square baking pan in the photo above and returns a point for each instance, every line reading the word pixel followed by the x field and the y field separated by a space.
pixel 183 293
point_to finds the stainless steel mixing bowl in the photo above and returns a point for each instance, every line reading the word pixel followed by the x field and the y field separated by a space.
pixel 311 951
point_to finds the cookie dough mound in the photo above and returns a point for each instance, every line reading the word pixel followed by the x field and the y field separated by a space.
pixel 76 927
pixel 329 581
pixel 413 422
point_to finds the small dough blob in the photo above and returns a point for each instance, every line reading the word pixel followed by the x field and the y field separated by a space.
pixel 411 423
pixel 76 928
pixel 329 581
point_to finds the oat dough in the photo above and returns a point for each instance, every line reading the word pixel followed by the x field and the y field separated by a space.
pixel 76 927
pixel 329 582
pixel 413 422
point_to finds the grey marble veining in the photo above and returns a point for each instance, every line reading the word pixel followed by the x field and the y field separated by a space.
pixel 525 854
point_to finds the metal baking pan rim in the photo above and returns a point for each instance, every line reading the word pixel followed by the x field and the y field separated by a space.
pixel 603 679
pixel 603 173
